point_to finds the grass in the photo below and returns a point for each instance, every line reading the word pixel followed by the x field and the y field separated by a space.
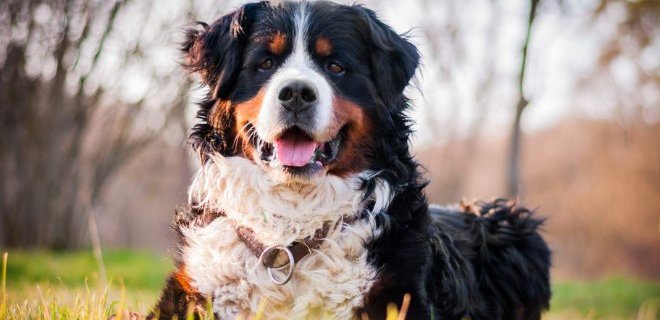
pixel 135 269
pixel 54 285
pixel 612 297
pixel 59 285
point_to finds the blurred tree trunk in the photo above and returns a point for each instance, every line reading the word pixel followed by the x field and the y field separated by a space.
pixel 513 164
pixel 61 141
pixel 447 41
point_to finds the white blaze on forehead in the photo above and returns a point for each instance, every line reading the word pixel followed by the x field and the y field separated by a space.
pixel 300 57
pixel 298 66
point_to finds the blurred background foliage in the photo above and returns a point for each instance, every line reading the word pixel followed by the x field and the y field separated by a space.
pixel 554 102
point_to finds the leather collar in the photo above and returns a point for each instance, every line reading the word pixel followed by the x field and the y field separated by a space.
pixel 280 257
pixel 275 258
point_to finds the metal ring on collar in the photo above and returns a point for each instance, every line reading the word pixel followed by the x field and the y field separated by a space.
pixel 291 263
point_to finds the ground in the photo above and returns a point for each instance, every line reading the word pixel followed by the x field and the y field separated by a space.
pixel 48 285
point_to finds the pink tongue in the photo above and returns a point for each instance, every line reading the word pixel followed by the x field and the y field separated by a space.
pixel 294 151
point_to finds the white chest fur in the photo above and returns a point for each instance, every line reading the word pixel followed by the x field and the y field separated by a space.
pixel 329 283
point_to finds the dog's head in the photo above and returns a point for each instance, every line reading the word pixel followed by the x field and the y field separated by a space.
pixel 302 89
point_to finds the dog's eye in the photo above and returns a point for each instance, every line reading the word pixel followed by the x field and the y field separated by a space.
pixel 267 64
pixel 333 67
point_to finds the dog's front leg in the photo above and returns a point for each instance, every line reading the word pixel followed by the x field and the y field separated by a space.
pixel 179 299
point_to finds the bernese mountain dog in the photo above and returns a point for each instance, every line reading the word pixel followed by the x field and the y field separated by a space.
pixel 308 203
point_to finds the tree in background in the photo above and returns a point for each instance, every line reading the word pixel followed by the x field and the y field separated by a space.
pixel 477 71
pixel 627 73
pixel 629 48
pixel 513 163
pixel 593 168
pixel 83 91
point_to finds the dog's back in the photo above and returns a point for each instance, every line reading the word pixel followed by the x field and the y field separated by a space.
pixel 506 262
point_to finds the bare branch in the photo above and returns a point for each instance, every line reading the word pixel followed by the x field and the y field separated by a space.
pixel 513 165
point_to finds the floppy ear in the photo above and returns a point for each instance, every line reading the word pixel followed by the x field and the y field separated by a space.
pixel 215 51
pixel 393 58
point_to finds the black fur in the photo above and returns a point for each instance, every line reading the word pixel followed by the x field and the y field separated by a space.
pixel 216 52
pixel 482 261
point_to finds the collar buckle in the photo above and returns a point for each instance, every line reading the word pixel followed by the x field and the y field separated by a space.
pixel 269 257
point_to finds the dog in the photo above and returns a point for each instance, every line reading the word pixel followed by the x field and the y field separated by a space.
pixel 308 202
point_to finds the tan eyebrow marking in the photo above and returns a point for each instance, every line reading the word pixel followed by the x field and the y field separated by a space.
pixel 277 43
pixel 323 47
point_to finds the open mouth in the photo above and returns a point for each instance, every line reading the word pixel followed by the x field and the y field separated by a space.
pixel 295 151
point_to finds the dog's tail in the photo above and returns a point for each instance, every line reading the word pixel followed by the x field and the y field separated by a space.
pixel 510 260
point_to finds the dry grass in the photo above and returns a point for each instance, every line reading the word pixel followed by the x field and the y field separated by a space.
pixel 56 294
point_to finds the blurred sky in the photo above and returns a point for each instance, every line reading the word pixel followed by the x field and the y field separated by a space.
pixel 565 44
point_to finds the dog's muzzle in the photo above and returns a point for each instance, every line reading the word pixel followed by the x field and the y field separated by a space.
pixel 299 100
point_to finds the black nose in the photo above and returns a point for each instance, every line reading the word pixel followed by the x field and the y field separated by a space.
pixel 297 96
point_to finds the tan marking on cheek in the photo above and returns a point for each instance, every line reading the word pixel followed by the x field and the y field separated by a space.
pixel 277 43
pixel 323 47
pixel 218 114
pixel 358 141
pixel 346 111
pixel 248 111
